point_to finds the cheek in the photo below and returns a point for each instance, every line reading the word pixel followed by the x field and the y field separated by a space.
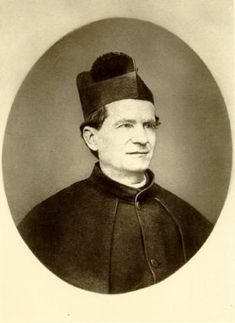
pixel 107 143
pixel 111 139
pixel 152 139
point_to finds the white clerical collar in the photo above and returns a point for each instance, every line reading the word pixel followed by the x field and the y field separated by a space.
pixel 140 184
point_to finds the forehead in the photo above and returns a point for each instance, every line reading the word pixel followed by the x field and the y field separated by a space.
pixel 130 109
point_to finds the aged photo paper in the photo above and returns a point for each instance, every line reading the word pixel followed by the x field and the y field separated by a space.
pixel 204 289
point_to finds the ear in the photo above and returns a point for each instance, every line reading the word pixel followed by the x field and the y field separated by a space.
pixel 89 135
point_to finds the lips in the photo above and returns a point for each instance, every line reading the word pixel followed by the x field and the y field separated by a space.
pixel 138 153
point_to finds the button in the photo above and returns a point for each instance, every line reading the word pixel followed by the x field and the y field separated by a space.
pixel 154 262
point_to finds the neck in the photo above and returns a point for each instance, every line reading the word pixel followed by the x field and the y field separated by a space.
pixel 124 177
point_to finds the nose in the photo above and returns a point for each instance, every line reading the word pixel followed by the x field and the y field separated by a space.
pixel 140 136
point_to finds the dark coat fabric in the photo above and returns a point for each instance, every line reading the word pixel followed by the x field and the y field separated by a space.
pixel 106 237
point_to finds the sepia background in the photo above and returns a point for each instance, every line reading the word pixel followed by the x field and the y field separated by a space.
pixel 203 290
pixel 43 151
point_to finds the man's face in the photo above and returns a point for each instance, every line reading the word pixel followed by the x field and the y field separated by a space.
pixel 126 140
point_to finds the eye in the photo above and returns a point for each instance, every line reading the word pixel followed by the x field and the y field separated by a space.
pixel 126 125
pixel 150 125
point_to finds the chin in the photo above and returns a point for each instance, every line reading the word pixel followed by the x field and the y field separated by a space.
pixel 137 167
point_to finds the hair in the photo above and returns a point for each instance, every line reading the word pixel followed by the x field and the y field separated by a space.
pixel 96 120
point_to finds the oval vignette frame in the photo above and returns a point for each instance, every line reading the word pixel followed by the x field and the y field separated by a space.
pixel 42 132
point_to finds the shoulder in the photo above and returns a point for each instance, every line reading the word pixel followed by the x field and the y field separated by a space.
pixel 181 208
pixel 195 227
pixel 48 211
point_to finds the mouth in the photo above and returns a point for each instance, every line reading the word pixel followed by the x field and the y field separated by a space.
pixel 138 153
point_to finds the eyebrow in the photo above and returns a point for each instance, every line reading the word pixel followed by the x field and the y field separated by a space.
pixel 133 121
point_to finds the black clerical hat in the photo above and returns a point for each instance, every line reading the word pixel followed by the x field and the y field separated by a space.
pixel 113 77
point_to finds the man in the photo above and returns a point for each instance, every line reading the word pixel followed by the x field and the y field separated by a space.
pixel 116 231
